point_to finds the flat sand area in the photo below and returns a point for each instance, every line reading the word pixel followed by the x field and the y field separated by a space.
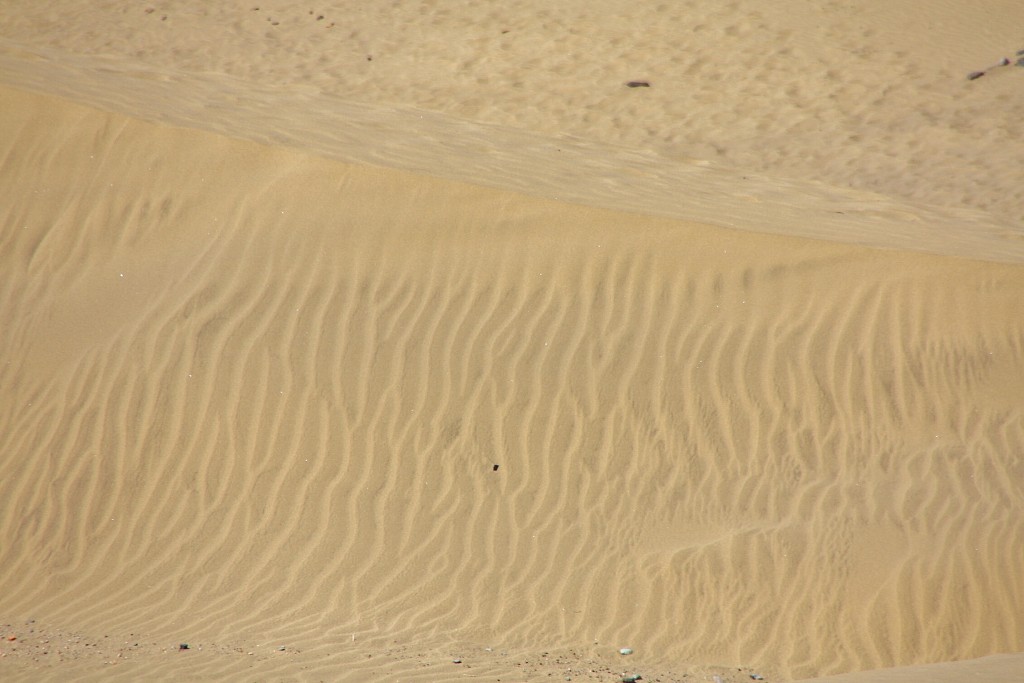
pixel 406 342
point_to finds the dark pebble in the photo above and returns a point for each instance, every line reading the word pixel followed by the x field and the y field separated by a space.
pixel 638 84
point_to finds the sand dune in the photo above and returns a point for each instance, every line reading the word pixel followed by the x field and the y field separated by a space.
pixel 842 121
pixel 254 398
pixel 406 342
pixel 850 93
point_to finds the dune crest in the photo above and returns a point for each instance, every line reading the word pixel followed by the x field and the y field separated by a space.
pixel 561 167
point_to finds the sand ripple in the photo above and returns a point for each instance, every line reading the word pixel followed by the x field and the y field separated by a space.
pixel 253 394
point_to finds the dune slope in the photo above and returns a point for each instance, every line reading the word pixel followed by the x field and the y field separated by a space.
pixel 252 396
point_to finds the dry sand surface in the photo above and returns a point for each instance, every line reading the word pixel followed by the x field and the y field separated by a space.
pixel 405 342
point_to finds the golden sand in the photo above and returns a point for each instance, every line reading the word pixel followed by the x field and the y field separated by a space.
pixel 463 368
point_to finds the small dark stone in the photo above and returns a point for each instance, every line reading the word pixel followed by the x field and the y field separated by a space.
pixel 974 75
pixel 638 84
pixel 495 468
pixel 183 646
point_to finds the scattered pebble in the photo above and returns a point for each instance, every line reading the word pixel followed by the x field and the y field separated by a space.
pixel 632 678
pixel 757 677
pixel 183 646
pixel 974 75
pixel 638 84
pixel 626 651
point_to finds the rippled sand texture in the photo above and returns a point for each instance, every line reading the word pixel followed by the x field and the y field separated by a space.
pixel 250 394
